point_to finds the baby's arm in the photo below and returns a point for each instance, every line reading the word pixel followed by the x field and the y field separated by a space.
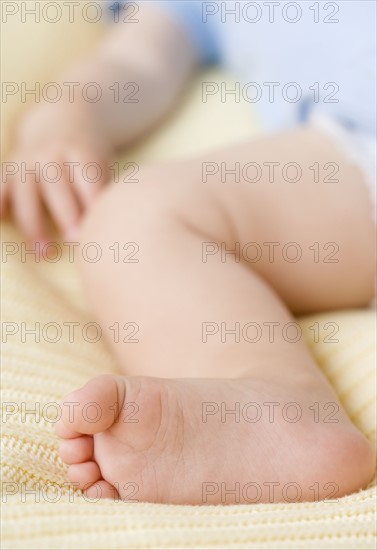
pixel 141 68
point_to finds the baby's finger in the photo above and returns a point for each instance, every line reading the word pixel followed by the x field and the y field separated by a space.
pixel 90 175
pixel 61 202
pixel 27 208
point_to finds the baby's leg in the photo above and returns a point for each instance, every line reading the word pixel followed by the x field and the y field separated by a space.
pixel 200 319
pixel 177 285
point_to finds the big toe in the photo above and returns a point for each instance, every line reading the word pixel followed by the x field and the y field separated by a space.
pixel 94 407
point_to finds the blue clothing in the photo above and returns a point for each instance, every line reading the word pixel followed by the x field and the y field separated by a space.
pixel 295 59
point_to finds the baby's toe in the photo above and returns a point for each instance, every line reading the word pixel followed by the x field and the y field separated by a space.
pixel 64 432
pixel 102 489
pixel 75 451
pixel 94 407
pixel 84 474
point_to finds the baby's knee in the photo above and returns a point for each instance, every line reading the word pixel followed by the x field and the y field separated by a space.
pixel 118 208
pixel 161 194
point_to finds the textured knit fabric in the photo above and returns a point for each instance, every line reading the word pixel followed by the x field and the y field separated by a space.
pixel 52 516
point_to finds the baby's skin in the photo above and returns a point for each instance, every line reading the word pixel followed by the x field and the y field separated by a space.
pixel 163 432
pixel 202 412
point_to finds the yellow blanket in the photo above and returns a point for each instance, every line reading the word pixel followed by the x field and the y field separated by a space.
pixel 39 509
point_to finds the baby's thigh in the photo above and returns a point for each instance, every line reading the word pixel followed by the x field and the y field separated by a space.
pixel 291 207
pixel 302 218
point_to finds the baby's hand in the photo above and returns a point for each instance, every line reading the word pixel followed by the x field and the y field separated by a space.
pixel 58 165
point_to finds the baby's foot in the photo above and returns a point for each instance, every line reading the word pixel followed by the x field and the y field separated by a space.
pixel 206 441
